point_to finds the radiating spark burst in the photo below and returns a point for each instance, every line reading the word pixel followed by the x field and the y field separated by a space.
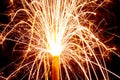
pixel 55 27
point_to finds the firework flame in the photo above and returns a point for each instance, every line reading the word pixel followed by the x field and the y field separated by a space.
pixel 57 28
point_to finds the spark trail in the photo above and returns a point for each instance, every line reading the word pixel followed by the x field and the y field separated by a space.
pixel 57 28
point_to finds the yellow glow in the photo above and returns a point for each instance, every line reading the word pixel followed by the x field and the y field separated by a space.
pixel 55 48
pixel 55 45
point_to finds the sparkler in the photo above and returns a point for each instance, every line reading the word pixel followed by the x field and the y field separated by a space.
pixel 57 30
pixel 55 68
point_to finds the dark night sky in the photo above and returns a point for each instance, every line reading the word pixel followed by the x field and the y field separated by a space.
pixel 113 20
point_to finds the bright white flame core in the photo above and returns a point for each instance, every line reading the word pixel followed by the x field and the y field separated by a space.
pixel 55 48
pixel 55 43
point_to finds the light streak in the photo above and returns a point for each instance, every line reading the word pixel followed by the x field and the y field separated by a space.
pixel 1 39
pixel 57 28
